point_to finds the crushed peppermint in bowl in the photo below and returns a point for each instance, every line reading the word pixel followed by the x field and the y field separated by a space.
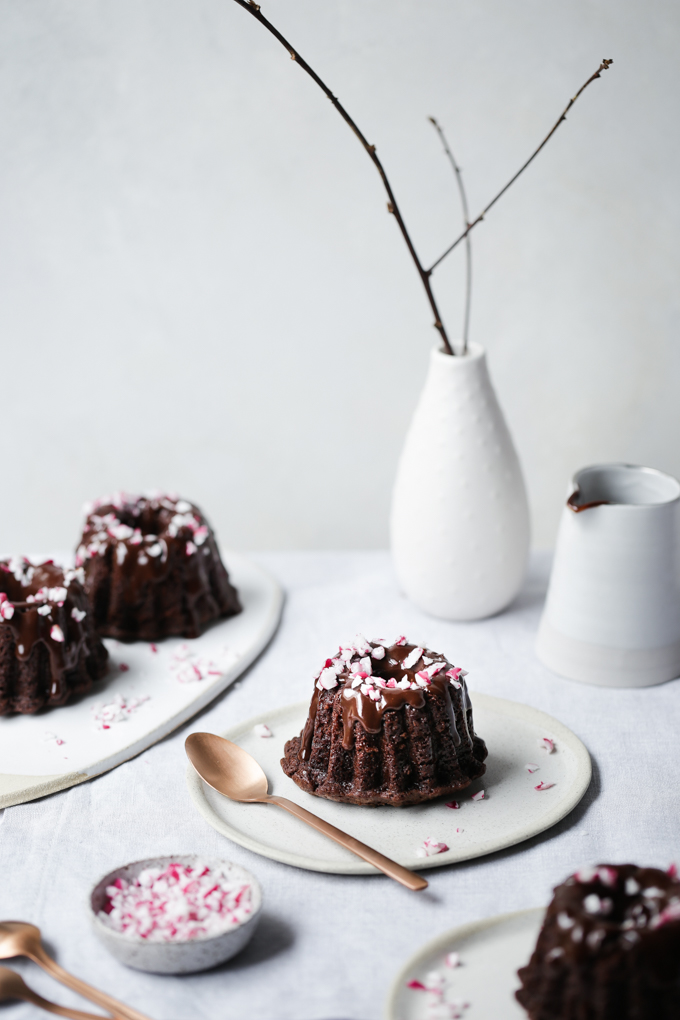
pixel 176 915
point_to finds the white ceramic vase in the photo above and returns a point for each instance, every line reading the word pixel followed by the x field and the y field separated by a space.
pixel 460 520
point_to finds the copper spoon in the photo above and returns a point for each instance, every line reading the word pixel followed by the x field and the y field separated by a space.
pixel 234 773
pixel 13 986
pixel 18 938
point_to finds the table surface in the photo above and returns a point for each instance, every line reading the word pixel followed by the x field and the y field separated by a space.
pixel 330 945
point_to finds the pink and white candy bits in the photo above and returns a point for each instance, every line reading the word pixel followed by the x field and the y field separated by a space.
pixel 429 847
pixel 439 990
pixel 117 711
pixel 178 903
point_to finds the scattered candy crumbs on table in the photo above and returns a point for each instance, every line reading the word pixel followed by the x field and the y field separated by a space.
pixel 478 796
pixel 531 767
pixel 547 744
pixel 544 786
pixel 453 804
pixel 262 730
pixel 123 667
pixel 53 736
pixel 429 847
pixel 178 903
pixel 116 711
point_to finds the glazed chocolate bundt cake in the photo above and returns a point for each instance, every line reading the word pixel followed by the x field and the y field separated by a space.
pixel 48 648
pixel 388 724
pixel 609 948
pixel 152 569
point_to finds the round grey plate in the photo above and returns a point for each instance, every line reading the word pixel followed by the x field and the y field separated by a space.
pixel 490 954
pixel 511 812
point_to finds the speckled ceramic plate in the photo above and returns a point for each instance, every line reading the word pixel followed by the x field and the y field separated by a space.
pixel 59 747
pixel 512 810
pixel 490 953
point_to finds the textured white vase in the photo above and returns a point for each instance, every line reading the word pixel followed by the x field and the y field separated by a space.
pixel 460 520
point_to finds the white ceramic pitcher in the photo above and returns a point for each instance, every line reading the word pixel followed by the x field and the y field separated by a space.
pixel 612 614
pixel 460 520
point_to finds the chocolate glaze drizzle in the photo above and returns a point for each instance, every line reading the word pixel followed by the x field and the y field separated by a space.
pixel 358 707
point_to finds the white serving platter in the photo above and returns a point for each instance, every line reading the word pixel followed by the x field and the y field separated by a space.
pixel 511 812
pixel 490 952
pixel 59 747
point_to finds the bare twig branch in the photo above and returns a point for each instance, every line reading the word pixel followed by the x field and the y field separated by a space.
pixel 392 206
pixel 466 223
pixel 603 67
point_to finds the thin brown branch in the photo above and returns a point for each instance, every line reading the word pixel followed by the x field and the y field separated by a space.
pixel 466 223
pixel 603 67
pixel 392 206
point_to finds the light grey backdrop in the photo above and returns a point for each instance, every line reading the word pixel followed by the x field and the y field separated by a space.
pixel 200 287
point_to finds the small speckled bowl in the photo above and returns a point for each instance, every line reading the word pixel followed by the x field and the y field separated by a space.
pixel 173 957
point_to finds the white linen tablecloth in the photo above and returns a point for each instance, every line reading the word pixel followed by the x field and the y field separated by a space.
pixel 329 945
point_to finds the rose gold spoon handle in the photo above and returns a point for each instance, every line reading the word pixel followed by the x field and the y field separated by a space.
pixel 107 1002
pixel 378 860
pixel 13 986
pixel 19 938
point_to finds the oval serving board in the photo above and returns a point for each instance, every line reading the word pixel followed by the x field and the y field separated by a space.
pixel 60 747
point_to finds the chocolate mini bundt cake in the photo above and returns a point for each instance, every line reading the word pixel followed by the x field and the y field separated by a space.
pixel 388 724
pixel 48 647
pixel 152 569
pixel 609 948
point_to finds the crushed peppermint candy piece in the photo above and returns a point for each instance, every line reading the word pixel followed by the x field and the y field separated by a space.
pixel 123 667
pixel 378 653
pixel 429 847
pixel 478 796
pixel 44 610
pixel 6 607
pixel 547 744
pixel 452 960
pixel 262 730
pixel 594 904
pixel 117 711
pixel 416 985
pixel 531 767
pixel 153 648
pixel 189 667
pixel 56 633
pixel 544 786
pixel 53 736
pixel 454 805
pixel 78 614
pixel 178 903
pixel 672 871
pixel 412 657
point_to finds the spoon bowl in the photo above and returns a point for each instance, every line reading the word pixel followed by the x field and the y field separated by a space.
pixel 226 767
pixel 18 938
